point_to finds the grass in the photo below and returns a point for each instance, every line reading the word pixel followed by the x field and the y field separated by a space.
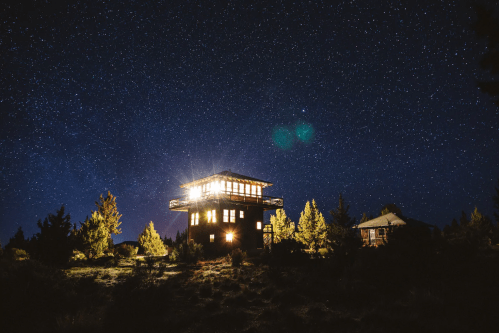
pixel 213 296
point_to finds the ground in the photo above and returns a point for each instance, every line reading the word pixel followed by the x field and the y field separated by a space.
pixel 259 296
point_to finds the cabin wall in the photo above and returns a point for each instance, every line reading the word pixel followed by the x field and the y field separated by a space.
pixel 380 236
pixel 245 233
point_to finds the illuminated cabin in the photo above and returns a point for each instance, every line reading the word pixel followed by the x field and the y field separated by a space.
pixel 225 211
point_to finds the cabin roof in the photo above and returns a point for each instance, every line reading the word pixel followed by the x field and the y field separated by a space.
pixel 227 175
pixel 386 220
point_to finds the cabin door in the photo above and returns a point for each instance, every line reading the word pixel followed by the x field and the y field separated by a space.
pixel 372 236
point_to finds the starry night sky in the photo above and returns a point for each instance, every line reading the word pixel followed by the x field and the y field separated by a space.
pixel 373 99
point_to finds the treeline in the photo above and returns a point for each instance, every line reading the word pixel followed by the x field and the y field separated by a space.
pixel 338 237
pixel 59 241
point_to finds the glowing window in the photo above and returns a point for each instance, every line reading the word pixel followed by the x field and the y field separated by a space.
pixel 197 218
pixel 247 189
pixel 208 188
pixel 259 225
pixel 228 237
pixel 222 185
pixel 193 217
pixel 209 216
pixel 212 238
pixel 232 216
pixel 253 190
pixel 195 192
pixel 241 188
pixel 235 187
pixel 204 188
pixel 226 215
pixel 259 191
pixel 214 216
pixel 241 214
pixel 229 186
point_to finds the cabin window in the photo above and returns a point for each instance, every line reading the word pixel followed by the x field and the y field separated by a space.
pixel 212 238
pixel 259 225
pixel 222 185
pixel 235 187
pixel 381 232
pixel 253 190
pixel 241 214
pixel 229 186
pixel 241 188
pixel 209 216
pixel 248 189
pixel 259 191
pixel 228 237
pixel 197 218
pixel 204 188
pixel 226 215
pixel 193 217
pixel 232 216
pixel 214 216
pixel 208 188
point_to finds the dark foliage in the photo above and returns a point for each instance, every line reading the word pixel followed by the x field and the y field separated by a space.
pixel 17 241
pixel 237 257
pixel 187 252
pixel 127 251
pixel 52 242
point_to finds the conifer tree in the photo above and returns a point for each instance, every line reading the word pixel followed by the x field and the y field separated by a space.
pixel 364 218
pixel 109 211
pixel 282 226
pixel 391 208
pixel 312 230
pixel 94 235
pixel 481 223
pixel 463 220
pixel 341 235
pixel 17 241
pixel 53 239
pixel 151 242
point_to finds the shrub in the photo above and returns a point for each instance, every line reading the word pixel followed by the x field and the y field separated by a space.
pixel 187 252
pixel 77 256
pixel 127 251
pixel 237 257
pixel 17 254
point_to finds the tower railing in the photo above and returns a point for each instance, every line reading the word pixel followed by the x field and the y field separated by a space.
pixel 263 200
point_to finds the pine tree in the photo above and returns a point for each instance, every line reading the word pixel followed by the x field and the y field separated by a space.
pixel 463 220
pixel 495 199
pixel 282 226
pixel 151 242
pixel 481 223
pixel 364 218
pixel 17 241
pixel 53 239
pixel 391 208
pixel 312 230
pixel 341 235
pixel 107 208
pixel 94 235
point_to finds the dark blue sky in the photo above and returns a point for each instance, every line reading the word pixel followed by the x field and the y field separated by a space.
pixel 138 97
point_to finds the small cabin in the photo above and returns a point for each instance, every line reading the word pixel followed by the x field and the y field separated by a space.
pixel 374 232
pixel 225 211
pixel 377 231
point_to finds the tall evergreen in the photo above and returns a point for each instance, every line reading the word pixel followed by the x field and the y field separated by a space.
pixel 495 200
pixel 17 241
pixel 282 226
pixel 342 237
pixel 150 241
pixel 94 235
pixel 364 218
pixel 53 239
pixel 463 220
pixel 109 211
pixel 312 230
pixel 391 208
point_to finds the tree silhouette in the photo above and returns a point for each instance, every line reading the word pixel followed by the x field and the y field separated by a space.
pixel 17 241
pixel 487 26
pixel 342 237
pixel 53 244
pixel 391 208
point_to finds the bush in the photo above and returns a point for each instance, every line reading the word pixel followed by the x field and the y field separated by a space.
pixel 17 254
pixel 237 257
pixel 187 252
pixel 127 251
pixel 77 256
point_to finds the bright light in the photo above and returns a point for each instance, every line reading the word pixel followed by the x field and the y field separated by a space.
pixel 195 193
pixel 215 187
pixel 228 237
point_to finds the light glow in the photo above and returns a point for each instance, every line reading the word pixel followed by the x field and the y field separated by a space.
pixel 195 193
pixel 215 187
pixel 228 237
